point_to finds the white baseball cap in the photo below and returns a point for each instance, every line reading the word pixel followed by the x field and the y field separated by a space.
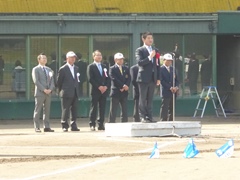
pixel 118 56
pixel 167 57
pixel 71 54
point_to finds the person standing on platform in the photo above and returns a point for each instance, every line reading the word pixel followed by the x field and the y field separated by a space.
pixel 148 76
pixel 67 83
pixel 99 79
pixel 169 84
pixel 44 85
pixel 120 81
pixel 134 73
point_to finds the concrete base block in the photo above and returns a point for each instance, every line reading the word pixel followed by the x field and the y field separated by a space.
pixel 137 129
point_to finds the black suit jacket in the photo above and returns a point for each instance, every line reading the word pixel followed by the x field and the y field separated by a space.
pixel 96 80
pixel 166 79
pixel 134 73
pixel 118 80
pixel 146 67
pixel 193 70
pixel 206 71
pixel 82 68
pixel 67 85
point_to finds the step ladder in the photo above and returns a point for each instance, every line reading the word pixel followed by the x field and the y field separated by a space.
pixel 209 92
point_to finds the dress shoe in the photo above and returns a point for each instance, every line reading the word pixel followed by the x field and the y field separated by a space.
pixel 38 130
pixel 65 130
pixel 150 119
pixel 75 129
pixel 92 128
pixel 144 120
pixel 48 130
pixel 101 128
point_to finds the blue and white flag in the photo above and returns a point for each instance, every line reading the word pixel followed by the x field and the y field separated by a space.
pixel 226 150
pixel 155 152
pixel 191 150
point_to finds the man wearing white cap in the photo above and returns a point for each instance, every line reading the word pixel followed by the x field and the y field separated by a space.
pixel 169 84
pixel 120 81
pixel 67 82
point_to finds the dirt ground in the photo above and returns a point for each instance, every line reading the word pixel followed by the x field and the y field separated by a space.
pixel 25 154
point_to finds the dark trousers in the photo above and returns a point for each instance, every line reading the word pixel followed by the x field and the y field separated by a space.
pixel 81 89
pixel 193 86
pixel 136 117
pixel 146 91
pixel 69 104
pixel 114 107
pixel 167 109
pixel 98 102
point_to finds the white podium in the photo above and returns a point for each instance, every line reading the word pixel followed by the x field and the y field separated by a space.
pixel 138 129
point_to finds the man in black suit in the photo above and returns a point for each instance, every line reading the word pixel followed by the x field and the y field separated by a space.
pixel 134 73
pixel 82 68
pixel 169 84
pixel 193 71
pixel 99 79
pixel 120 81
pixel 67 83
pixel 148 76
pixel 206 71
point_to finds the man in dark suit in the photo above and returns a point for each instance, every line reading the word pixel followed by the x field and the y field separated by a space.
pixel 206 71
pixel 82 68
pixel 67 82
pixel 120 81
pixel 169 84
pixel 134 73
pixel 99 79
pixel 148 76
pixel 193 71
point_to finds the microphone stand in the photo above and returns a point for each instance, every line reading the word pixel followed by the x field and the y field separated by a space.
pixel 173 134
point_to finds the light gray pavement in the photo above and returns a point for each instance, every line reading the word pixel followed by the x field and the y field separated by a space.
pixel 91 155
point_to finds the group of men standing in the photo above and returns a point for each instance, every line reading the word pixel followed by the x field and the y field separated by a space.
pixel 145 76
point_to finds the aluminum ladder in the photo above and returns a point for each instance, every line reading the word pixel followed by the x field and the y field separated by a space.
pixel 207 94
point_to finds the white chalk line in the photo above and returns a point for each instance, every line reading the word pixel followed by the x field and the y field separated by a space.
pixel 72 169
pixel 50 147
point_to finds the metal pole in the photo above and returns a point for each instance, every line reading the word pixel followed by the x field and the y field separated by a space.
pixel 173 86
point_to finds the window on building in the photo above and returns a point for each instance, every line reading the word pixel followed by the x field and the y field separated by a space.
pixel 12 67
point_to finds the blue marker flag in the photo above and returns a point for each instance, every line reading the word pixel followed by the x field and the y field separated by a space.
pixel 226 150
pixel 191 150
pixel 155 152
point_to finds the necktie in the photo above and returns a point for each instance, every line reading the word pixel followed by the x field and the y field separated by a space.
pixel 120 68
pixel 46 75
pixel 168 68
pixel 72 71
pixel 100 68
pixel 150 50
